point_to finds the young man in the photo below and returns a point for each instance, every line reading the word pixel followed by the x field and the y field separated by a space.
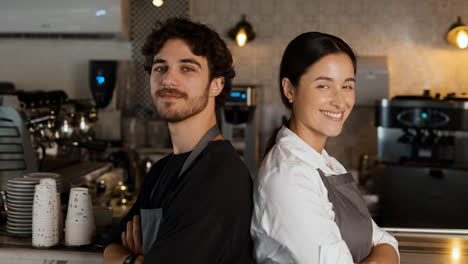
pixel 195 204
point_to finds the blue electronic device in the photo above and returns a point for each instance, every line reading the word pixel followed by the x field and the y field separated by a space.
pixel 242 95
pixel 100 79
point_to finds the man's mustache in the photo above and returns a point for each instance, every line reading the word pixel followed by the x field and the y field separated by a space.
pixel 172 92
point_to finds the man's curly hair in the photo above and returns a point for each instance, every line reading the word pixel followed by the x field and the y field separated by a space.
pixel 202 40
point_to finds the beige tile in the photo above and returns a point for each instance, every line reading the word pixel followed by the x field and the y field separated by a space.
pixel 410 33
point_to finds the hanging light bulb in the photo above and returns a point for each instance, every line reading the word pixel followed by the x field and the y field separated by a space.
pixel 462 39
pixel 455 253
pixel 457 34
pixel 241 37
pixel 242 32
pixel 158 3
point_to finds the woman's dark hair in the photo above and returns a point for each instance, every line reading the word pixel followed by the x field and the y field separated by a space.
pixel 305 50
pixel 202 40
pixel 302 52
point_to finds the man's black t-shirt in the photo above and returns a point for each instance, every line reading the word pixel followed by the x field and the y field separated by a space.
pixel 167 182
pixel 206 211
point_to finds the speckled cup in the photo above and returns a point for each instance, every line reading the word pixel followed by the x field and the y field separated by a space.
pixel 44 220
pixel 79 224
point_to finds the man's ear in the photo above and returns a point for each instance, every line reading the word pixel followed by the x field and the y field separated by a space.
pixel 217 85
pixel 288 89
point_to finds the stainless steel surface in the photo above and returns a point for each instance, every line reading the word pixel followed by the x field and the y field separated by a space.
pixel 83 172
pixel 426 231
pixel 423 113
pixel 239 123
pixel 423 197
pixel 15 255
pixel 424 103
pixel 389 149
pixel 20 251
pixel 372 79
pixel 421 248
pixel 424 132
pixel 244 138
pixel 422 145
pixel 41 119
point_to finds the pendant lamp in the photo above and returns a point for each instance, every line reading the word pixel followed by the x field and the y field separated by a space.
pixel 457 34
pixel 242 32
pixel 158 3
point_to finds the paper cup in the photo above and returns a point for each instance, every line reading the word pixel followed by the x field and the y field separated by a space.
pixel 79 224
pixel 44 220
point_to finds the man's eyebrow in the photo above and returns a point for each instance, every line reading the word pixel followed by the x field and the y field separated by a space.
pixel 350 80
pixel 191 61
pixel 158 61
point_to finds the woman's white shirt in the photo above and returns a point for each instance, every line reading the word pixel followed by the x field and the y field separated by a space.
pixel 293 219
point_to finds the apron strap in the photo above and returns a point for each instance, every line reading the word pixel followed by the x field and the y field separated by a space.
pixel 201 145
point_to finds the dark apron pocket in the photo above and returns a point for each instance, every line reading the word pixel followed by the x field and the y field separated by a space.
pixel 150 221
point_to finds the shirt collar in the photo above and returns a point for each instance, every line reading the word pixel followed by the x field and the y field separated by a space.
pixel 303 151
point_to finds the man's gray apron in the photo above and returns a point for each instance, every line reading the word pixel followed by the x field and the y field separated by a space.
pixel 351 214
pixel 151 218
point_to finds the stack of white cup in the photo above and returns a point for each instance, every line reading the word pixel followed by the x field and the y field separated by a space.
pixel 79 225
pixel 45 215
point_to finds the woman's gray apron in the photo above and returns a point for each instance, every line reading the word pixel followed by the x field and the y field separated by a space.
pixel 351 214
pixel 151 218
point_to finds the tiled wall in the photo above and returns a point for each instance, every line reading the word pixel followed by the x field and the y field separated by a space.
pixel 140 126
pixel 410 33
pixel 143 16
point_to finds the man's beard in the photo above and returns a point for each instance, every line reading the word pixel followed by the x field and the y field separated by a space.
pixel 192 106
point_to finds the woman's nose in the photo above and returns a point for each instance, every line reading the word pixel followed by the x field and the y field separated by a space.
pixel 337 98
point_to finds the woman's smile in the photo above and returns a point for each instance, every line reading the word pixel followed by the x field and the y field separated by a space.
pixel 335 116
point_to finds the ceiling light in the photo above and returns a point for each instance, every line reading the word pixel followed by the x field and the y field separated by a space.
pixel 158 3
pixel 242 32
pixel 101 12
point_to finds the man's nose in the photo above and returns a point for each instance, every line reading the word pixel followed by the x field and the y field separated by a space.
pixel 169 78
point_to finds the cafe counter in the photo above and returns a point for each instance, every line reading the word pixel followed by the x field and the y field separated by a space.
pixel 432 246
pixel 19 251
pixel 414 247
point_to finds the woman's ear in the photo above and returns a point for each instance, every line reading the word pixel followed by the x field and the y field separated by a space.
pixel 216 86
pixel 288 89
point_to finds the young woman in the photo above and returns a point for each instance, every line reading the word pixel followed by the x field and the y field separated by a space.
pixel 307 207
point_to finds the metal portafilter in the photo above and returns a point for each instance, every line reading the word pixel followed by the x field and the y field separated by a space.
pixel 65 129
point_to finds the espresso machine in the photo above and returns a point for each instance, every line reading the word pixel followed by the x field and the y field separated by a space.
pixel 423 132
pixel 422 144
pixel 239 124
pixel 16 151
